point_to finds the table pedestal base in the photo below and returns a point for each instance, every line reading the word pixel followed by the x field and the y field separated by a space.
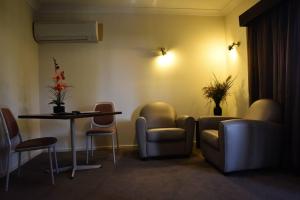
pixel 78 167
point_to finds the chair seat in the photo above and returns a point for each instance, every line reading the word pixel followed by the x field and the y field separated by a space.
pixel 165 134
pixel 37 143
pixel 101 130
pixel 210 137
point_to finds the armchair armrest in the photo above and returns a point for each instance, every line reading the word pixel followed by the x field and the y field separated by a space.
pixel 254 128
pixel 211 122
pixel 141 128
pixel 184 121
pixel 248 144
pixel 188 124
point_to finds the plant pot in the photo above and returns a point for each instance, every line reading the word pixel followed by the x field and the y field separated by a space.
pixel 58 109
pixel 217 110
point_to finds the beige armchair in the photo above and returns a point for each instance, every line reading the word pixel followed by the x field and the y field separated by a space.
pixel 160 133
pixel 252 142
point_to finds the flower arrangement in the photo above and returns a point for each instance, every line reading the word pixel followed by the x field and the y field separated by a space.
pixel 59 89
pixel 218 91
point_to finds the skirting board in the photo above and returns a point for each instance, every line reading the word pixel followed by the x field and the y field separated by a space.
pixel 95 148
pixel 83 148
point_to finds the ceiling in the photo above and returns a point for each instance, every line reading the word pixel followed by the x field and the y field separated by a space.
pixel 184 7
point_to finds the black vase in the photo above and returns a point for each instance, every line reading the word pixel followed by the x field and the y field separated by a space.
pixel 217 110
pixel 58 109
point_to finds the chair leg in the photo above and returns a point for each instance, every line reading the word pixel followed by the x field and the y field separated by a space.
pixel 55 160
pixel 92 150
pixel 117 138
pixel 113 147
pixel 19 163
pixel 51 167
pixel 87 149
pixel 7 172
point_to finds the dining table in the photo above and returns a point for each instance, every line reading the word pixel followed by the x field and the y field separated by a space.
pixel 71 116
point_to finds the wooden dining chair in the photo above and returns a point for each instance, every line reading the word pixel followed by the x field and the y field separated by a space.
pixel 11 130
pixel 102 126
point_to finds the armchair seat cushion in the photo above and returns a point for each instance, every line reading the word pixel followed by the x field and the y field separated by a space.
pixel 210 137
pixel 165 134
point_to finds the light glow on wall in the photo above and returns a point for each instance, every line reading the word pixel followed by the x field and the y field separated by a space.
pixel 233 54
pixel 165 61
pixel 215 56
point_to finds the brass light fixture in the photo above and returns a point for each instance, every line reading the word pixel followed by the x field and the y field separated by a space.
pixel 230 47
pixel 163 51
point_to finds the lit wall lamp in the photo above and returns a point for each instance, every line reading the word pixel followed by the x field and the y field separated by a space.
pixel 230 47
pixel 163 51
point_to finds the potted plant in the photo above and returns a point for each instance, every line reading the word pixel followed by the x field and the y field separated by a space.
pixel 59 89
pixel 218 91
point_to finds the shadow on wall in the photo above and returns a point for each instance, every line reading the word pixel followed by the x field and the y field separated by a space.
pixel 134 116
pixel 209 105
pixel 146 52
pixel 59 129
pixel 241 100
pixel 126 132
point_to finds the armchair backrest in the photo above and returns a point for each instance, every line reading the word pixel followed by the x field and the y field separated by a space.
pixel 159 115
pixel 265 110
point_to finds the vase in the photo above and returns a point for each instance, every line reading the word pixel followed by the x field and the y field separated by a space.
pixel 217 110
pixel 58 109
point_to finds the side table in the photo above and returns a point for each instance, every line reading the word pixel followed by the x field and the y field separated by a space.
pixel 197 133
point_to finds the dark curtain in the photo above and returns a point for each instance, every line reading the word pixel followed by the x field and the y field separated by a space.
pixel 274 68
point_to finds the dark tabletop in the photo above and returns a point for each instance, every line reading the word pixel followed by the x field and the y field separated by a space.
pixel 66 115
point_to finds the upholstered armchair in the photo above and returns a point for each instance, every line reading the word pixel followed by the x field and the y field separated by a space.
pixel 251 142
pixel 160 133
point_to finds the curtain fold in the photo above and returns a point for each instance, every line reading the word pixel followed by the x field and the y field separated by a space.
pixel 274 68
pixel 292 114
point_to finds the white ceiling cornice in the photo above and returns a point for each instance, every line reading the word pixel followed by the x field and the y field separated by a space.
pixel 92 7
pixel 138 10
pixel 34 4
pixel 229 7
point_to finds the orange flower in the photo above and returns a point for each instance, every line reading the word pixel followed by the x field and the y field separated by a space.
pixel 56 77
pixel 58 90
pixel 62 74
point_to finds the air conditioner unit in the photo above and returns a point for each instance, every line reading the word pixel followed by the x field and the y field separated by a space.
pixel 67 32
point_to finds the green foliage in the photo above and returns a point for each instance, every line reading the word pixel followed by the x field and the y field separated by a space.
pixel 218 91
pixel 57 97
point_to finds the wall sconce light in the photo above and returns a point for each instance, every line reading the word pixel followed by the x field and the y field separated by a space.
pixel 163 51
pixel 165 58
pixel 230 47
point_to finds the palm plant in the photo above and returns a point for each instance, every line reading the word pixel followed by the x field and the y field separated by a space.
pixel 218 91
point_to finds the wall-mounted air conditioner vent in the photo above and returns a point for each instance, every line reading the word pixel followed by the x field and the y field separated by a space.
pixel 67 32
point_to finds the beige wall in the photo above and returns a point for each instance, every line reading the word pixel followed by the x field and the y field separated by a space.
pixel 19 84
pixel 237 59
pixel 123 67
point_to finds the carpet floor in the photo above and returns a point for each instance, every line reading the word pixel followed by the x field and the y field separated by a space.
pixel 180 178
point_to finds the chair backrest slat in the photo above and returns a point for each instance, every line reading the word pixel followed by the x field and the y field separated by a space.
pixel 106 119
pixel 10 122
